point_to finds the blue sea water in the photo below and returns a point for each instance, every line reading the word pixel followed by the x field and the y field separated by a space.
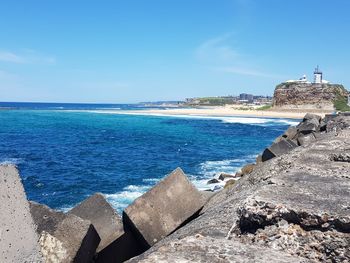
pixel 66 152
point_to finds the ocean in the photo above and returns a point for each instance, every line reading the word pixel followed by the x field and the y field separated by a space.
pixel 66 152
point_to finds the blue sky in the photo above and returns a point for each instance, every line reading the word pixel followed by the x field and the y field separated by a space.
pixel 130 51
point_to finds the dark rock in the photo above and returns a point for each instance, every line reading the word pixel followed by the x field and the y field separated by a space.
pixel 213 181
pixel 18 238
pixel 224 176
pixel 323 126
pixel 74 240
pixel 164 208
pixel 45 218
pixel 101 214
pixel 306 139
pixel 278 149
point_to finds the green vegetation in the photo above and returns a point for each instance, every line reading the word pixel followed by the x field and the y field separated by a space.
pixel 265 107
pixel 341 103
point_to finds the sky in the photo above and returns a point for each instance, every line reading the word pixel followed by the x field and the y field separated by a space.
pixel 136 50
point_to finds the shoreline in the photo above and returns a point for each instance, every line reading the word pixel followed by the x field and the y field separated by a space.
pixel 221 112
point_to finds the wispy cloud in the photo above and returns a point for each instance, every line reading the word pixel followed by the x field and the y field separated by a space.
pixel 223 54
pixel 217 49
pixel 26 56
pixel 247 72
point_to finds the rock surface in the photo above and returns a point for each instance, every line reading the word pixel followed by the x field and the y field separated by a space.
pixel 295 206
pixel 307 95
pixel 102 215
pixel 18 238
pixel 207 249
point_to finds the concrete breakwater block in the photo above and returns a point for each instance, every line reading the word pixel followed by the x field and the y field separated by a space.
pixel 278 149
pixel 45 218
pixel 163 209
pixel 64 237
pixel 101 214
pixel 74 240
pixel 18 239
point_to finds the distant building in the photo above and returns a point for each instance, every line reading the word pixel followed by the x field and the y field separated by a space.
pixel 246 97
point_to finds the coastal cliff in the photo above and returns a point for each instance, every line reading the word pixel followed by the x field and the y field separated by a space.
pixel 299 95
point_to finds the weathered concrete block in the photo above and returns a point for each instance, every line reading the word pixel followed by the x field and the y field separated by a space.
pixel 278 149
pixel 101 214
pixel 309 116
pixel 308 126
pixel 45 218
pixel 74 240
pixel 18 239
pixel 290 133
pixel 306 139
pixel 164 208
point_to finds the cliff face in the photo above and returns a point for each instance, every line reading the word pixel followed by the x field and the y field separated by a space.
pixel 307 96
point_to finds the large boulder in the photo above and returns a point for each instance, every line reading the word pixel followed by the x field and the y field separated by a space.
pixel 18 238
pixel 278 149
pixel 164 208
pixel 104 218
pixel 74 240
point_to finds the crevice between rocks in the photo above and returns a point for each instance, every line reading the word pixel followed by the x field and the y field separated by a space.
pixel 251 221
pixel 341 157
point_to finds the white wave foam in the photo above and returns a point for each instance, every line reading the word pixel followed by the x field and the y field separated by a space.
pixel 209 169
pixel 122 199
pixel 225 119
pixel 8 161
pixel 65 209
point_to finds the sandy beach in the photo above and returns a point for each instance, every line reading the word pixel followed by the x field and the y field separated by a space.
pixel 226 111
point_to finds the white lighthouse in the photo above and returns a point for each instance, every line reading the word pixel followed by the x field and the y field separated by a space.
pixel 317 76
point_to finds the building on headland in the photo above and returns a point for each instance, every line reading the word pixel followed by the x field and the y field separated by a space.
pixel 318 78
pixel 303 94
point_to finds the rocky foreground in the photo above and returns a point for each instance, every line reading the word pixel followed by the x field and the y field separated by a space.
pixel 293 205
